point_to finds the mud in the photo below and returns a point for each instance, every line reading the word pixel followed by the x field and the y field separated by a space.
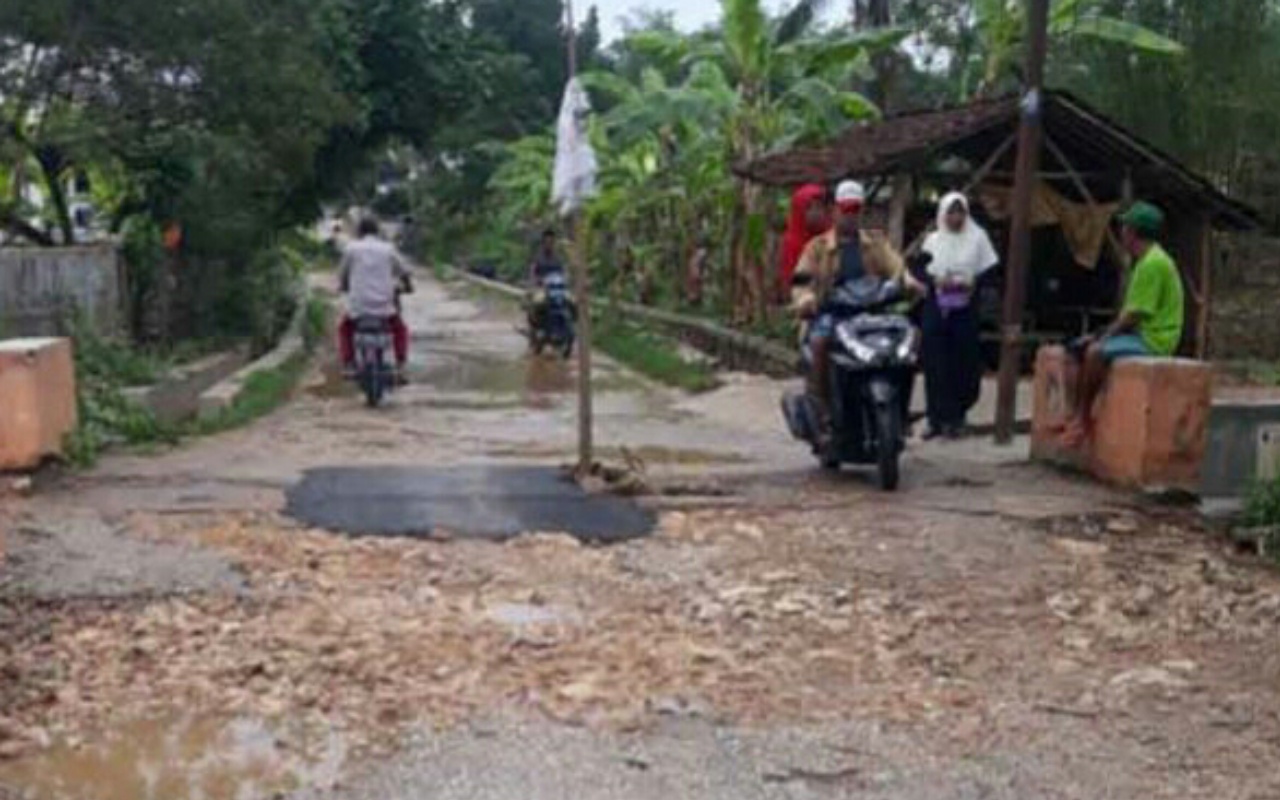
pixel 181 758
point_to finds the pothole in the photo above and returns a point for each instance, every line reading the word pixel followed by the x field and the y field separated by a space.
pixel 483 502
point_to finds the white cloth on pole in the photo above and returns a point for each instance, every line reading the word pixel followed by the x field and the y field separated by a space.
pixel 574 180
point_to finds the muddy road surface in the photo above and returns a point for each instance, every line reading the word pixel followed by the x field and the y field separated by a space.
pixel 344 603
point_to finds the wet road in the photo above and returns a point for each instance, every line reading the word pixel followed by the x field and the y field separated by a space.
pixel 476 398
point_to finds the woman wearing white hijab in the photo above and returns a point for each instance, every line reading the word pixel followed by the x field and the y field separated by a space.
pixel 960 252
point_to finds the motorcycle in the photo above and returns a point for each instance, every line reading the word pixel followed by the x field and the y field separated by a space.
pixel 375 373
pixel 553 325
pixel 873 357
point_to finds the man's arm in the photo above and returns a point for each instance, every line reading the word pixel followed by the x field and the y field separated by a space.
pixel 400 268
pixel 888 263
pixel 1127 322
pixel 344 273
pixel 1139 303
pixel 804 292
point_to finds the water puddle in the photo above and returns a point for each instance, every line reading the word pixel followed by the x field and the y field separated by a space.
pixel 182 759
pixel 535 379
pixel 494 376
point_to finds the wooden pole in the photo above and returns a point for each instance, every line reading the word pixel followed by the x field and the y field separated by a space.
pixel 1029 136
pixel 582 291
pixel 1204 309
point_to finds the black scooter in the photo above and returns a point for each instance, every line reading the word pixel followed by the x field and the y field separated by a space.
pixel 554 324
pixel 873 357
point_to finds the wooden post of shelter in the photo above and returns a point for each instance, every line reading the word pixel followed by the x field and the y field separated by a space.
pixel 1029 135
pixel 1206 288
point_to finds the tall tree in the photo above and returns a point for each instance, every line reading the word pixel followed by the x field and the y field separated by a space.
pixel 533 31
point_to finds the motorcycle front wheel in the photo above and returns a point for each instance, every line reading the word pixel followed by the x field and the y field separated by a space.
pixel 888 436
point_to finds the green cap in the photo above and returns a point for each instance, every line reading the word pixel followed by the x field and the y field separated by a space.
pixel 1144 218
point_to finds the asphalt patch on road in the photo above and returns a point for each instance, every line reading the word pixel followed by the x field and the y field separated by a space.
pixel 493 503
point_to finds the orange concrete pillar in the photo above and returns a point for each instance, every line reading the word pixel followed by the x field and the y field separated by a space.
pixel 37 400
pixel 1150 424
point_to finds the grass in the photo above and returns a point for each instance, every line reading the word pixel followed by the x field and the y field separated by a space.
pixel 266 390
pixel 263 392
pixel 316 323
pixel 654 356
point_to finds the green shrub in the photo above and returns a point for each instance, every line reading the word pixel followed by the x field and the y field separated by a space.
pixel 1262 508
pixel 103 370
pixel 316 323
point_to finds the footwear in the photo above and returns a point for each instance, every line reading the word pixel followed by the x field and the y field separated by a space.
pixel 954 432
pixel 931 433
pixel 1075 434
pixel 402 379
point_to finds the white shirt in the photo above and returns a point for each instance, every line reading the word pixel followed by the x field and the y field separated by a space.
pixel 372 270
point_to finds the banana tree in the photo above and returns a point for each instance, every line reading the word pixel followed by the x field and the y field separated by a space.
pixel 759 55
pixel 1001 27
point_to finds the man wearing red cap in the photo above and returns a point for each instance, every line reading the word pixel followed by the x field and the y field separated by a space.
pixel 843 254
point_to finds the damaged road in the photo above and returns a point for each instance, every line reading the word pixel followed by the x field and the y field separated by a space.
pixel 994 631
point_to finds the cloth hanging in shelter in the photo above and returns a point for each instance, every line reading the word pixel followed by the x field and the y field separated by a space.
pixel 1084 226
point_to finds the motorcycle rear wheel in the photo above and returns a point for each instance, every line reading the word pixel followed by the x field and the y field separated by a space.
pixel 372 381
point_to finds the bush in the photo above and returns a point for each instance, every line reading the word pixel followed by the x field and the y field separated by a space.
pixel 316 323
pixel 103 370
pixel 1262 507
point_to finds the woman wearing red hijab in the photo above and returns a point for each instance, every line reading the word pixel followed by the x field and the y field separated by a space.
pixel 810 216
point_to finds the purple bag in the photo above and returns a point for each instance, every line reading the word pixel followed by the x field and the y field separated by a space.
pixel 953 299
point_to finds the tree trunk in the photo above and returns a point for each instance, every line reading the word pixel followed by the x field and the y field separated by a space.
pixel 52 166
pixel 868 15
pixel 20 227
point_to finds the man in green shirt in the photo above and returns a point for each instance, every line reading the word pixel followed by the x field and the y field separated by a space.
pixel 1149 325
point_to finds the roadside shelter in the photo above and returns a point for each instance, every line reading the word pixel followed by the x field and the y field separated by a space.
pixel 1090 167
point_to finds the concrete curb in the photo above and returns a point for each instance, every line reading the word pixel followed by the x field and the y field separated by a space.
pixel 177 396
pixel 223 395
pixel 734 350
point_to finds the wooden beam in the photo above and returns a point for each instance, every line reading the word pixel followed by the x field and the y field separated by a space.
pixel 1083 189
pixel 898 205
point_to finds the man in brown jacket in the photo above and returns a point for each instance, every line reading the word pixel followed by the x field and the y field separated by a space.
pixel 843 254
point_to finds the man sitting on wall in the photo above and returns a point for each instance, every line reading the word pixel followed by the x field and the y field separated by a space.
pixel 1151 322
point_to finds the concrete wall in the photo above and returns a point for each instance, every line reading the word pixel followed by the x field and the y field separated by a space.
pixel 41 289
pixel 1242 441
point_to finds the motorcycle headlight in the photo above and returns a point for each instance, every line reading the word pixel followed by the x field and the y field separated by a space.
pixel 859 349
